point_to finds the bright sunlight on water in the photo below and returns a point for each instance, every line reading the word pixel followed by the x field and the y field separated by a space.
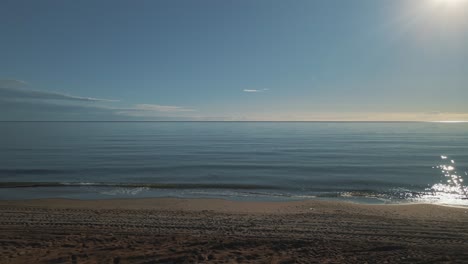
pixel 451 189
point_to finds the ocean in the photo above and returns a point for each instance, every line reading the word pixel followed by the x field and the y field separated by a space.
pixel 272 161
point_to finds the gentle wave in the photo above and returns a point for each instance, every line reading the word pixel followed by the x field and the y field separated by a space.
pixel 32 171
pixel 133 185
pixel 254 189
pixel 234 191
pixel 319 188
pixel 331 168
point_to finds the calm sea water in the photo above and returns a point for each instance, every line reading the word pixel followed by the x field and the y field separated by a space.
pixel 364 162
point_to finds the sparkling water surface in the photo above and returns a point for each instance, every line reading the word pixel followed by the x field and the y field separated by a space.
pixel 362 162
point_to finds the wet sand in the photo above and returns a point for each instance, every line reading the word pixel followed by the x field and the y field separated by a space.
pixel 219 231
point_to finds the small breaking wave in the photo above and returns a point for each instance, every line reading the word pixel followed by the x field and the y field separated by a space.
pixel 135 185
pixel 125 191
pixel 31 171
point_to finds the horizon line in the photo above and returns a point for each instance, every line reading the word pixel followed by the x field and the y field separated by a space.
pixel 224 121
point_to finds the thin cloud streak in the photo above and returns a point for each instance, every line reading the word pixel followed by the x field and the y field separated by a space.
pixel 27 102
pixel 255 90
pixel 344 117
pixel 45 110
pixel 161 108
pixel 11 83
pixel 10 89
pixel 151 110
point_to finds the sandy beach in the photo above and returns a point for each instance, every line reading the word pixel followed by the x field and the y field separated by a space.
pixel 220 231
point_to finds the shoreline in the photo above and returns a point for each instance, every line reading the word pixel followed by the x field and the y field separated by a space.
pixel 105 192
pixel 111 203
pixel 135 201
pixel 171 230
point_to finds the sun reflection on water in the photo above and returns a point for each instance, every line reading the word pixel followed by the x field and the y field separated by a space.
pixel 451 190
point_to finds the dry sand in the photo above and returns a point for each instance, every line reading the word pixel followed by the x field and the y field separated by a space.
pixel 219 231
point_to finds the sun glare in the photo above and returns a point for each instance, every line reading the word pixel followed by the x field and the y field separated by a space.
pixel 450 3
pixel 436 24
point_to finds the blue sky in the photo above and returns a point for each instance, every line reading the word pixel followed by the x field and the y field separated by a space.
pixel 234 60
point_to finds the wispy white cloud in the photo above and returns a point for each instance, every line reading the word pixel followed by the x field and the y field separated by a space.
pixel 19 102
pixel 153 110
pixel 161 108
pixel 12 83
pixel 340 116
pixel 255 90
pixel 13 89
